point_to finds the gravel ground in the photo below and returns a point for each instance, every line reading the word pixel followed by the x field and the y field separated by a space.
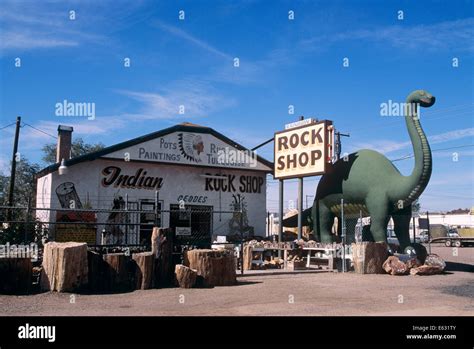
pixel 322 293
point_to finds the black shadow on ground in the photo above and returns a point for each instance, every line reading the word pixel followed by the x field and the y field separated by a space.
pixel 453 266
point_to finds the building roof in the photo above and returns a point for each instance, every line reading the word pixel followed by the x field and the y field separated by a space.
pixel 183 127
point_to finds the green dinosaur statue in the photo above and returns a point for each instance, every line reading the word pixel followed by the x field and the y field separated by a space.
pixel 369 182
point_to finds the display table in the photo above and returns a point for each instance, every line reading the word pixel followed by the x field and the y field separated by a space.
pixel 331 252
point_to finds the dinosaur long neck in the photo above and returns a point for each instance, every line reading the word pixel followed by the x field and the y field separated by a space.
pixel 418 180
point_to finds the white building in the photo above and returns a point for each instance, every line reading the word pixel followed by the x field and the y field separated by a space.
pixel 186 164
pixel 464 220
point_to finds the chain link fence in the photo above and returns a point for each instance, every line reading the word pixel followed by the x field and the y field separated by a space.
pixel 125 225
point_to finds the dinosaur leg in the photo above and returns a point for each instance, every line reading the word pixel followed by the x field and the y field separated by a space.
pixel 401 221
pixel 326 220
pixel 378 209
pixel 315 219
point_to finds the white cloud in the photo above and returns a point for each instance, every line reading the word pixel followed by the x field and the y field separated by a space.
pixel 382 146
pixel 28 27
pixel 455 34
pixel 386 146
pixel 451 135
pixel 198 100
pixel 32 140
pixel 31 40
pixel 192 39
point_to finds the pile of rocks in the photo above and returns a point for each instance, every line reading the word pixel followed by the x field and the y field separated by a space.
pixel 269 244
pixel 404 265
pixel 274 264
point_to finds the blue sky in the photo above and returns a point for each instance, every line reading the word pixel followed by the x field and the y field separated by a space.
pixel 299 62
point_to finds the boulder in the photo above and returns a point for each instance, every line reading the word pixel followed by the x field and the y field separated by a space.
pixel 434 264
pixel 394 266
pixel 413 263
pixel 426 270
pixel 433 260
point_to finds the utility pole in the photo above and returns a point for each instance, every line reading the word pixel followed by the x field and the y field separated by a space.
pixel 308 196
pixel 13 169
pixel 338 143
pixel 300 203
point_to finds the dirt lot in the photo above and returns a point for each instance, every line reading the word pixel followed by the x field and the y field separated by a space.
pixel 319 293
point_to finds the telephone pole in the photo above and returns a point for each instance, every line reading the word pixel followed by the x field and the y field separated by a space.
pixel 338 143
pixel 13 169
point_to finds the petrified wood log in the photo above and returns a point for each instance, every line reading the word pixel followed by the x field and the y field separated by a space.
pixel 185 276
pixel 118 273
pixel 144 263
pixel 64 266
pixel 162 249
pixel 217 268
pixel 368 257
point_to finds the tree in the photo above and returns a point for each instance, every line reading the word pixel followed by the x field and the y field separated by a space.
pixel 79 147
pixel 459 211
pixel 25 184
pixel 22 225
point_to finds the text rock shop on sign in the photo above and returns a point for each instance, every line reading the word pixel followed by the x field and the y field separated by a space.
pixel 192 167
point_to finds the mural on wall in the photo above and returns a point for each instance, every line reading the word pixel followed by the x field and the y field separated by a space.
pixel 69 199
pixel 239 223
pixel 191 146
pixel 67 195
pixel 114 230
pixel 199 149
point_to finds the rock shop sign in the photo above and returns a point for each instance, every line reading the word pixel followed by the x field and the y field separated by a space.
pixel 303 151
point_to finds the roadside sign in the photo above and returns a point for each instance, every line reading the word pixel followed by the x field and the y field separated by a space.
pixel 304 150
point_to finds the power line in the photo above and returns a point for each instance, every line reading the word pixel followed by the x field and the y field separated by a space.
pixel 434 150
pixel 13 123
pixel 37 129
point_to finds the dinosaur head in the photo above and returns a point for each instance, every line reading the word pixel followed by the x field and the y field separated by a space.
pixel 421 97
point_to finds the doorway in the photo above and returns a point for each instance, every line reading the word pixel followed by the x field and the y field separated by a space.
pixel 194 224
pixel 147 220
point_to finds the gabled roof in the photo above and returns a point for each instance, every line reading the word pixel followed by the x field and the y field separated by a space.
pixel 183 127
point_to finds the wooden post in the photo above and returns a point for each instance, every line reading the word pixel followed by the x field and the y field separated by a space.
pixel 162 249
